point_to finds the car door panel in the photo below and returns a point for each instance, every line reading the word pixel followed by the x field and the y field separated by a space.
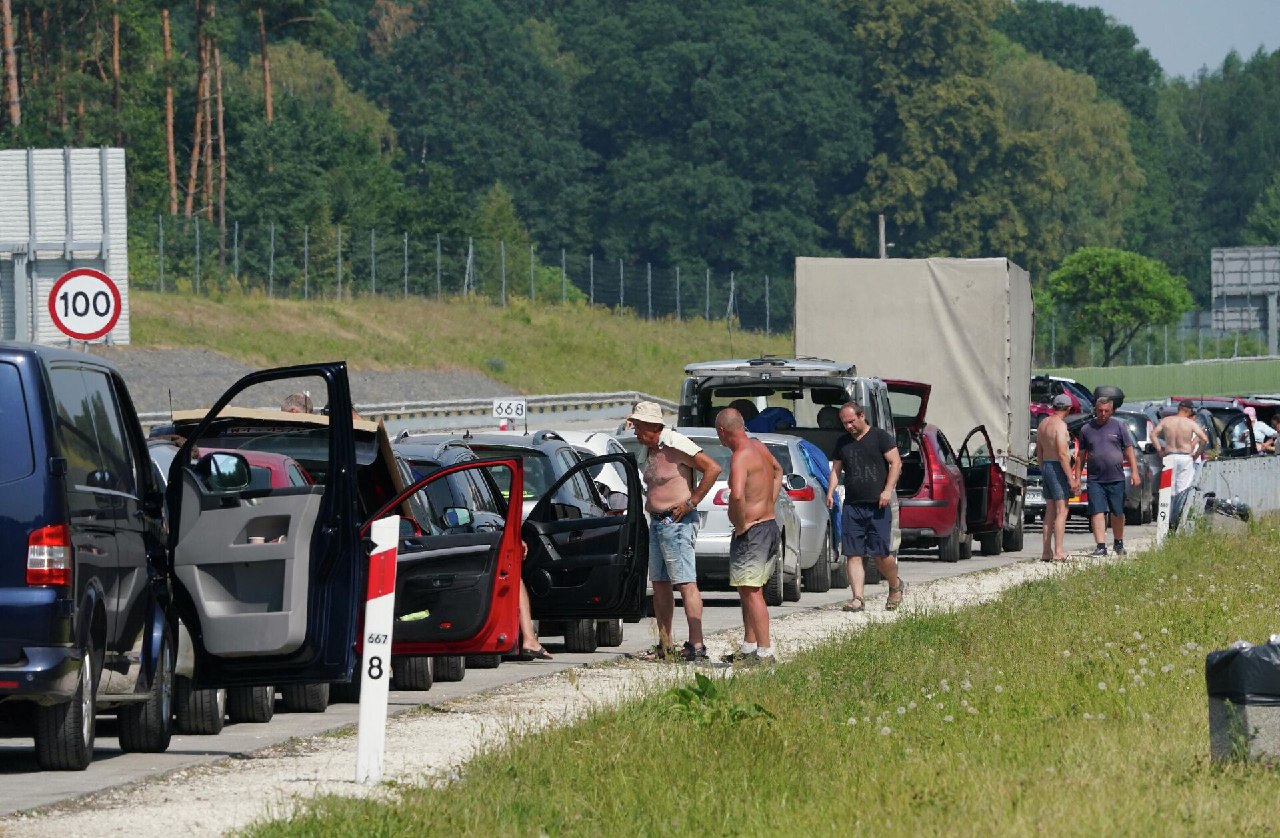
pixel 983 481
pixel 285 610
pixel 457 593
pixel 584 567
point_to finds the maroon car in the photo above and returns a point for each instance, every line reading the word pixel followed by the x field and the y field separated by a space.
pixel 945 498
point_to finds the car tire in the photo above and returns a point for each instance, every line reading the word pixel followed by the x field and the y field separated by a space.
pixel 484 661
pixel 791 587
pixel 65 732
pixel 1012 540
pixel 346 692
pixel 147 726
pixel 871 574
pixel 609 633
pixel 305 698
pixel 449 668
pixel 580 636
pixel 949 547
pixel 251 704
pixel 990 543
pixel 198 712
pixel 1133 517
pixel 818 578
pixel 411 672
pixel 840 573
pixel 773 593
pixel 966 546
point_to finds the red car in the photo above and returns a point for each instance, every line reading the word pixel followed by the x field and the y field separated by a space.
pixel 269 470
pixel 945 497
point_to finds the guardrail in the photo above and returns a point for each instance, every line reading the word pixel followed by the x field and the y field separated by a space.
pixel 469 414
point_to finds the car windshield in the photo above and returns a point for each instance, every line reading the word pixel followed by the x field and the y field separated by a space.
pixel 539 475
pixel 1137 425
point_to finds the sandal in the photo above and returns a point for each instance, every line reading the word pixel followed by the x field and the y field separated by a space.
pixel 852 608
pixel 538 654
pixel 891 604
pixel 693 654
pixel 657 653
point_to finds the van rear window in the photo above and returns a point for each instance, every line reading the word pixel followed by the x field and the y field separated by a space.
pixel 18 460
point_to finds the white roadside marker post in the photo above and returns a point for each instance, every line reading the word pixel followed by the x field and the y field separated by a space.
pixel 1166 504
pixel 375 662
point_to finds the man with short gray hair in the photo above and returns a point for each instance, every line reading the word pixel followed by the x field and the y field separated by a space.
pixel 1106 446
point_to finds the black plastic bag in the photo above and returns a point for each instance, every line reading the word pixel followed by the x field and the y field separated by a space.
pixel 1245 676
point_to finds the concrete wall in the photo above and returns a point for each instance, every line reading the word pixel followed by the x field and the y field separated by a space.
pixel 1255 480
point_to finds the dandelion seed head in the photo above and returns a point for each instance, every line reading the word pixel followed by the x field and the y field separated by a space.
pixel 948 719
pixel 902 711
pixel 1102 685
pixel 885 731
pixel 999 688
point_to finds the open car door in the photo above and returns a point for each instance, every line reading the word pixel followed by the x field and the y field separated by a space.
pixel 585 563
pixel 983 482
pixel 267 579
pixel 457 573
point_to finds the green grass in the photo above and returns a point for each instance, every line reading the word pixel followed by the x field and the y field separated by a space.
pixel 1073 705
pixel 1211 378
pixel 533 348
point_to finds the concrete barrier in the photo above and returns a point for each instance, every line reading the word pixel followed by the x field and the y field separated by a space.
pixel 1254 480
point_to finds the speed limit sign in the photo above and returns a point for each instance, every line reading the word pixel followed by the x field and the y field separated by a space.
pixel 84 304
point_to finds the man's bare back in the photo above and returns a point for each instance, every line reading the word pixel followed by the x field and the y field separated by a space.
pixel 754 480
pixel 1179 434
pixel 1051 441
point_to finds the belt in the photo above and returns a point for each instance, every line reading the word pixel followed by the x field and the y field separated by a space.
pixel 1179 454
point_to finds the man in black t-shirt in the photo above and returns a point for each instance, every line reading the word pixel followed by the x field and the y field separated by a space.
pixel 868 458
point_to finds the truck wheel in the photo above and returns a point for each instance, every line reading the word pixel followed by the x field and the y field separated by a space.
pixel 305 698
pixel 65 732
pixel 411 672
pixel 1012 539
pixel 990 542
pixel 818 578
pixel 448 668
pixel 484 661
pixel 199 712
pixel 773 594
pixel 251 704
pixel 580 636
pixel 949 547
pixel 147 727
pixel 609 633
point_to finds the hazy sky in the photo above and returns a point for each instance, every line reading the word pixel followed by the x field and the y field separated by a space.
pixel 1184 35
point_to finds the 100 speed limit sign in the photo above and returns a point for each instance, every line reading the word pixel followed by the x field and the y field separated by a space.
pixel 84 304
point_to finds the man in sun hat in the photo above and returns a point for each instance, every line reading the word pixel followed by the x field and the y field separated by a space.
pixel 1058 481
pixel 672 501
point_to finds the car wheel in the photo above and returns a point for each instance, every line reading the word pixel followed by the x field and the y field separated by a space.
pixel 818 578
pixel 773 593
pixel 609 633
pixel 966 546
pixel 580 636
pixel 791 587
pixel 147 727
pixel 991 542
pixel 949 547
pixel 251 704
pixel 305 698
pixel 448 668
pixel 1133 517
pixel 1012 540
pixel 840 573
pixel 871 574
pixel 484 661
pixel 411 672
pixel 346 692
pixel 199 712
pixel 65 732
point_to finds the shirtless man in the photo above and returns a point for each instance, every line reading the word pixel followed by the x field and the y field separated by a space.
pixel 1058 481
pixel 755 478
pixel 1178 438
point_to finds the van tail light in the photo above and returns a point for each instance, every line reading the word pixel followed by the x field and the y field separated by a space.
pixel 801 494
pixel 49 556
pixel 721 498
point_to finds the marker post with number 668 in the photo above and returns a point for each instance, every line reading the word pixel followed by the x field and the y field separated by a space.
pixel 375 662
pixel 512 410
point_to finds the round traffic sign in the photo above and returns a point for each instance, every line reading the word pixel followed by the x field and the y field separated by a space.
pixel 84 304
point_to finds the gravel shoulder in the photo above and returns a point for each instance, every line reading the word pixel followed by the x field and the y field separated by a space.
pixel 430 745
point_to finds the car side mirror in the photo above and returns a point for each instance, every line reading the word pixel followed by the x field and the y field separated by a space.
pixel 617 501
pixel 457 516
pixel 224 472
pixel 793 483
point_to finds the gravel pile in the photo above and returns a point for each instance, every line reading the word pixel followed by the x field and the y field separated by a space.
pixel 196 378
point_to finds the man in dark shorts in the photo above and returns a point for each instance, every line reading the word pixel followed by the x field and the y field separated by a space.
pixel 1058 482
pixel 868 458
pixel 1106 445
pixel 755 479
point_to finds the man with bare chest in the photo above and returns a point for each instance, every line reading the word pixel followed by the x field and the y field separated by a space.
pixel 1058 480
pixel 755 478
pixel 1178 439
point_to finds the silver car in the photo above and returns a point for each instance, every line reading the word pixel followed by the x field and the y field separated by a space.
pixel 715 531
pixel 805 483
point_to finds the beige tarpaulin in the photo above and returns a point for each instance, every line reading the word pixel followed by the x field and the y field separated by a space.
pixel 962 325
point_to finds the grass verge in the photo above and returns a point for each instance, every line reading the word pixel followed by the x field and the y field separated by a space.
pixel 1073 705
pixel 532 347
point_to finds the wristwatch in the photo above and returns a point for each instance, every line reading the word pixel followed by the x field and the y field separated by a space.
pixel 691 504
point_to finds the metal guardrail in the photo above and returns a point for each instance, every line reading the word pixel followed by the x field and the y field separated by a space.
pixel 448 414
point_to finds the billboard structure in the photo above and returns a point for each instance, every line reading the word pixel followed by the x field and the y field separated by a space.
pixel 1245 283
pixel 62 211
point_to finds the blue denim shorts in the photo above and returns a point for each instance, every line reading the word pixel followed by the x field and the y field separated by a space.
pixel 671 550
pixel 1106 497
pixel 1054 482
pixel 866 530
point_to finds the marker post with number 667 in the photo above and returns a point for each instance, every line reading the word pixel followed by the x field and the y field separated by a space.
pixel 375 662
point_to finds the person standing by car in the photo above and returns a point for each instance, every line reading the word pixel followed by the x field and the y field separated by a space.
pixel 1106 445
pixel 755 478
pixel 1177 439
pixel 869 460
pixel 1059 480
pixel 672 500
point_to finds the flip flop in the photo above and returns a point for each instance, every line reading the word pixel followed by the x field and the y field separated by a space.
pixel 538 654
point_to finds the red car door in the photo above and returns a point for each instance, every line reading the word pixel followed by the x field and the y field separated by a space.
pixel 983 482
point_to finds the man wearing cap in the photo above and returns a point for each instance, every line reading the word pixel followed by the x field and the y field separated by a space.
pixel 1106 445
pixel 1178 438
pixel 1058 480
pixel 672 503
